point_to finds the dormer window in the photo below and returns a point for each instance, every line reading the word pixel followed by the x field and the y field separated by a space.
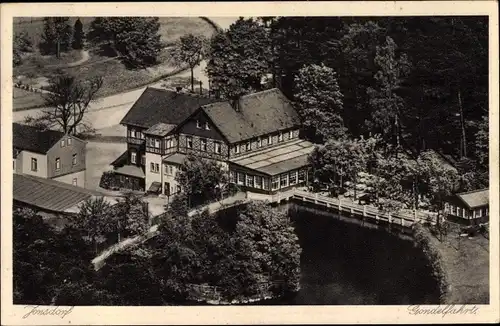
pixel 270 140
pixel 237 149
pixel 207 127
pixel 280 137
pixel 198 125
pixel 248 146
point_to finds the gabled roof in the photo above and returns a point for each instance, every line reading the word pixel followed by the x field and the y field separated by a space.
pixel 475 198
pixel 49 194
pixel 33 140
pixel 158 105
pixel 259 114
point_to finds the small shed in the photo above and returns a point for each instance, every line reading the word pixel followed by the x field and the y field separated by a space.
pixel 470 207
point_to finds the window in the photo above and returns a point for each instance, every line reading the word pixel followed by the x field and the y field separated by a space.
pixel 178 188
pixel 198 125
pixel 293 178
pixel 132 133
pixel 74 159
pixel 479 213
pixel 218 147
pixel 143 159
pixel 270 140
pixel 69 141
pixel 280 137
pixel 275 183
pixel 157 167
pixel 302 176
pixel 34 164
pixel 63 143
pixel 169 169
pixel 203 144
pixel 133 157
pixel 232 176
pixel 58 163
pixel 290 134
pixel 152 167
pixel 237 149
pixel 248 146
pixel 241 178
pixel 170 143
pixel 249 180
pixel 189 142
pixel 75 182
pixel 259 143
pixel 266 183
pixel 284 180
pixel 207 127
pixel 258 182
pixel 157 143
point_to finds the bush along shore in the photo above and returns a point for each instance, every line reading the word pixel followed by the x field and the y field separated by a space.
pixel 422 239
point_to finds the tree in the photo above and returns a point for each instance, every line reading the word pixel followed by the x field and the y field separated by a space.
pixel 78 35
pixel 388 106
pixel 96 219
pixel 482 142
pixel 201 179
pixel 21 45
pixel 131 215
pixel 68 100
pixel 239 58
pixel 319 102
pixel 56 37
pixel 135 39
pixel 190 49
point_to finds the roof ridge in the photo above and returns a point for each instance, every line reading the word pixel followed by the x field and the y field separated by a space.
pixel 261 92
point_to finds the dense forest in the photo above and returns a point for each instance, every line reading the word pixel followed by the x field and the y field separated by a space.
pixel 420 81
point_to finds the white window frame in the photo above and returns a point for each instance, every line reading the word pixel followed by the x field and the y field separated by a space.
pixel 258 185
pixel 189 141
pixel 157 143
pixel 218 147
pixel 248 146
pixel 259 143
pixel 63 142
pixel 69 141
pixel 198 124
pixel 290 135
pixel 303 172
pixel 132 133
pixel 285 177
pixel 207 127
pixel 74 182
pixel 74 159
pixel 479 212
pixel 249 182
pixel 280 137
pixel 275 179
pixel 34 164
pixel 295 174
pixel 270 140
pixel 240 178
pixel 152 167
pixel 58 163
pixel 203 144
pixel 236 149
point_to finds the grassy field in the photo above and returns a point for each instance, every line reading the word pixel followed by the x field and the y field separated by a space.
pixel 117 78
pixel 23 99
pixel 466 264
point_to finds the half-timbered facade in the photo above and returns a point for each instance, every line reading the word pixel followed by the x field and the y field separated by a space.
pixel 256 138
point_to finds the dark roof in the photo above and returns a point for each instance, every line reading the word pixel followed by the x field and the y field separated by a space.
pixel 277 159
pixel 177 158
pixel 476 198
pixel 49 194
pixel 158 105
pixel 259 114
pixel 160 129
pixel 33 140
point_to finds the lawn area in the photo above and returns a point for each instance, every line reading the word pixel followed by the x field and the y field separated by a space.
pixel 22 99
pixel 117 78
pixel 466 264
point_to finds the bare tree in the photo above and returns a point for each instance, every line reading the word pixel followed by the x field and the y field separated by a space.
pixel 68 101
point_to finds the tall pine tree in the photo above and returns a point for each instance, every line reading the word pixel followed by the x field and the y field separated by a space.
pixel 56 37
pixel 78 35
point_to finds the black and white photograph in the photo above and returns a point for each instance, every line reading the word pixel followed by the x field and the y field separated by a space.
pixel 251 160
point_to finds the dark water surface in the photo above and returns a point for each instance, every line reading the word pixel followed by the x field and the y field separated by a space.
pixel 348 264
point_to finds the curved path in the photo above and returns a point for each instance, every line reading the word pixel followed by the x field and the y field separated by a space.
pixel 108 111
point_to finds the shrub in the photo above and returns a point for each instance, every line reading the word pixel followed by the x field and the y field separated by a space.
pixel 108 180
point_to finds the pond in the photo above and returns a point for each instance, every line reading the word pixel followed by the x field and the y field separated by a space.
pixel 348 264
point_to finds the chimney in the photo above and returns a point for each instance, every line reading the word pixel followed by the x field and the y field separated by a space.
pixel 235 103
